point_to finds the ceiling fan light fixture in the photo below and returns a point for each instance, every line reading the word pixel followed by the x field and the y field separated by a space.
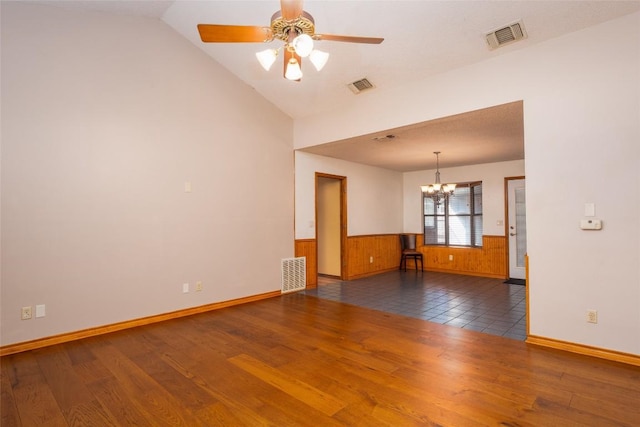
pixel 267 58
pixel 318 58
pixel 291 25
pixel 293 70
pixel 303 45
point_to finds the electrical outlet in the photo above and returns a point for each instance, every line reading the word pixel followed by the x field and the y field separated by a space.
pixel 198 286
pixel 26 313
pixel 185 288
pixel 592 316
pixel 370 260
pixel 450 257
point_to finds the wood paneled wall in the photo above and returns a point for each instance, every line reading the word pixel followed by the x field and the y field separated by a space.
pixel 488 261
pixel 372 254
pixel 307 248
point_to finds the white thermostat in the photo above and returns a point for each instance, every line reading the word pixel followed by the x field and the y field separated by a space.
pixel 591 224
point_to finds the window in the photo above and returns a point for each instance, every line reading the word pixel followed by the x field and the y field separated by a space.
pixel 456 221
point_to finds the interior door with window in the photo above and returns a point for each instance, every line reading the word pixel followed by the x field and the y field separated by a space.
pixel 517 227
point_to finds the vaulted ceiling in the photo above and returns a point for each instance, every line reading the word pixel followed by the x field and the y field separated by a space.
pixel 422 38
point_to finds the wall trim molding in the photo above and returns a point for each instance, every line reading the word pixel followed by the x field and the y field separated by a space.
pixel 466 273
pixel 101 330
pixel 355 236
pixel 373 273
pixel 587 350
pixel 602 353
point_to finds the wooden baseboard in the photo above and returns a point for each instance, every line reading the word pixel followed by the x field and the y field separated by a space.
pixel 616 356
pixel 467 273
pixel 100 330
pixel 371 273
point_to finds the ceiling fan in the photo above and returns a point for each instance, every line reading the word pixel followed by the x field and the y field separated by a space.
pixel 293 26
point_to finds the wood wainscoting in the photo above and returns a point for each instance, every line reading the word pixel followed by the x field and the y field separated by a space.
pixel 372 254
pixel 488 261
pixel 307 248
pixel 376 253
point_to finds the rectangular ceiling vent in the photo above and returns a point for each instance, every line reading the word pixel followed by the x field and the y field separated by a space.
pixel 506 35
pixel 360 85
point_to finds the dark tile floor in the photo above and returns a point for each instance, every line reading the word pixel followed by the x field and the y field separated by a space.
pixel 477 303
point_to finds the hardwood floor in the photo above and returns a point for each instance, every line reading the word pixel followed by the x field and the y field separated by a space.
pixel 298 360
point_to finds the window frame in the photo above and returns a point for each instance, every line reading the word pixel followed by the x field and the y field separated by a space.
pixel 474 214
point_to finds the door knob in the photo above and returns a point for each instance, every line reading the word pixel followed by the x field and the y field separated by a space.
pixel 512 234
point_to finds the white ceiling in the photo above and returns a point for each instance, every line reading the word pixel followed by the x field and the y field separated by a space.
pixel 490 135
pixel 422 38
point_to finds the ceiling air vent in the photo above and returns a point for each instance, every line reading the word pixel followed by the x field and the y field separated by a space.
pixel 506 35
pixel 360 85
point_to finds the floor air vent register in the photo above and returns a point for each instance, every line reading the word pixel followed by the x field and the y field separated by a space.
pixel 294 274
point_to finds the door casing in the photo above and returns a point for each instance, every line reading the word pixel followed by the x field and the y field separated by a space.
pixel 343 219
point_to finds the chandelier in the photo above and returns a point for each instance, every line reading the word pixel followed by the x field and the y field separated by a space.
pixel 438 191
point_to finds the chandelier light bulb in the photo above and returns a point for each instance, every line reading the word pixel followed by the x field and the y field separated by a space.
pixel 293 70
pixel 448 188
pixel 303 45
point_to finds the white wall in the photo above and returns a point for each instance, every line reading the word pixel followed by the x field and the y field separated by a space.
pixel 104 119
pixel 492 176
pixel 374 196
pixel 581 96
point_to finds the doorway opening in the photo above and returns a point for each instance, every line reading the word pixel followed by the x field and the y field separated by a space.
pixel 331 225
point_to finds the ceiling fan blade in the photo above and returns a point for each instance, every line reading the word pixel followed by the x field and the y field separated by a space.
pixel 349 39
pixel 212 33
pixel 287 56
pixel 290 9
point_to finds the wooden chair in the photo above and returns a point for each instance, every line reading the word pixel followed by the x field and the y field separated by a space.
pixel 408 246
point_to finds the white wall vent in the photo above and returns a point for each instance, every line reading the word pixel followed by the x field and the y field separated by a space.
pixel 506 35
pixel 294 274
pixel 360 85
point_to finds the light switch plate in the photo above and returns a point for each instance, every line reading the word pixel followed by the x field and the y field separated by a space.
pixel 40 310
pixel 589 209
